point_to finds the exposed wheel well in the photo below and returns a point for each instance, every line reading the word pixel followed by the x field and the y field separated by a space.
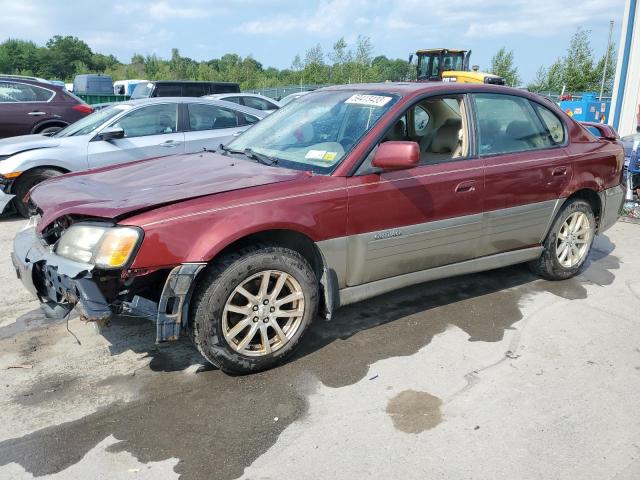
pixel 304 246
pixel 49 123
pixel 283 238
pixel 592 198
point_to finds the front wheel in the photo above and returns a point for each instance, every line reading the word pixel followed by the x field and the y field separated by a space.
pixel 251 308
pixel 26 182
pixel 568 242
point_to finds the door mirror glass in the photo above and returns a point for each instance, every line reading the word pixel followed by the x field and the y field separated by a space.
pixel 111 133
pixel 397 155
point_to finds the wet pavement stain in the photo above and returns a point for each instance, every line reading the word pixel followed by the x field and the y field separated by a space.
pixel 414 412
pixel 216 424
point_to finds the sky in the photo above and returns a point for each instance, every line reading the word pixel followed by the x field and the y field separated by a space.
pixel 274 31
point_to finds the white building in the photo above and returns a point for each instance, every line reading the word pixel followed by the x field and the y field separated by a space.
pixel 625 106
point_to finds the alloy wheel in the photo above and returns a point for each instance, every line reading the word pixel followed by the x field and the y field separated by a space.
pixel 573 240
pixel 263 313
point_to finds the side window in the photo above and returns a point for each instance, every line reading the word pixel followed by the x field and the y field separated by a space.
pixel 258 103
pixel 151 120
pixel 168 90
pixel 21 92
pixel 210 117
pixel 508 124
pixel 553 124
pixel 420 120
pixel 194 90
pixel 246 119
pixel 232 99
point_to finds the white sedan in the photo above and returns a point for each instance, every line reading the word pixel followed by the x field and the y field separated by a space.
pixel 251 100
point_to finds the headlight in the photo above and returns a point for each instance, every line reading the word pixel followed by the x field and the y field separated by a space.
pixel 106 247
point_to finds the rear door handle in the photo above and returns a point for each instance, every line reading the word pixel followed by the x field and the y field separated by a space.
pixel 559 171
pixel 170 143
pixel 37 113
pixel 465 187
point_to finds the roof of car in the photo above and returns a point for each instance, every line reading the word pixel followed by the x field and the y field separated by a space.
pixel 411 88
pixel 220 103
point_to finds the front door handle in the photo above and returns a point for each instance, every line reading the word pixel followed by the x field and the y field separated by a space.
pixel 37 113
pixel 170 143
pixel 466 187
pixel 559 171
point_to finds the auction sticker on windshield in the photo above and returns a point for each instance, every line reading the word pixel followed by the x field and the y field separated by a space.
pixel 368 100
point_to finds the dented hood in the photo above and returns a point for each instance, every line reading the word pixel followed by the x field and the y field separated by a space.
pixel 117 191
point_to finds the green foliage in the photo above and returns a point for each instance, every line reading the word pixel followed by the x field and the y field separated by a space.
pixel 502 64
pixel 577 71
pixel 65 57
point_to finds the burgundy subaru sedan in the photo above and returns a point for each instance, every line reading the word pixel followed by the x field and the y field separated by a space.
pixel 346 193
pixel 33 105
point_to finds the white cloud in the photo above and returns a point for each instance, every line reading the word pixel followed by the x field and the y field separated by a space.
pixel 163 11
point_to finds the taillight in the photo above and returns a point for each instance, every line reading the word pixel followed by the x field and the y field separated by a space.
pixel 82 108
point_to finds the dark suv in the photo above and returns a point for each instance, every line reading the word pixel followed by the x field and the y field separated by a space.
pixel 33 105
pixel 182 88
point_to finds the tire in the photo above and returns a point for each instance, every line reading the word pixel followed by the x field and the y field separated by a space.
pixel 212 322
pixel 556 261
pixel 50 130
pixel 26 182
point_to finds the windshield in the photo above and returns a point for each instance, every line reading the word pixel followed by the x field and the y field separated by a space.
pixel 142 90
pixel 317 130
pixel 90 123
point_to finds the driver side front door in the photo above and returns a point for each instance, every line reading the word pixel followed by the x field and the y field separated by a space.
pixel 150 131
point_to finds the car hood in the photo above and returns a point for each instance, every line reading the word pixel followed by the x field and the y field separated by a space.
pixel 117 191
pixel 13 145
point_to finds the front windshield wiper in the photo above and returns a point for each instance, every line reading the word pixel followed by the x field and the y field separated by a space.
pixel 249 153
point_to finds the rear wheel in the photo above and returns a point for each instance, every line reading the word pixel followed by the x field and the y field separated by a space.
pixel 26 182
pixel 50 130
pixel 251 308
pixel 568 243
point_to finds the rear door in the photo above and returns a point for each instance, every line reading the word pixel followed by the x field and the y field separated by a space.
pixel 150 131
pixel 411 220
pixel 526 169
pixel 208 126
pixel 22 106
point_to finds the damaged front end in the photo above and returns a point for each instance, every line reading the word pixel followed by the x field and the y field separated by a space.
pixel 84 265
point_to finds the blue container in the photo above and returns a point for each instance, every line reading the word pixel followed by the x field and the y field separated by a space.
pixel 587 109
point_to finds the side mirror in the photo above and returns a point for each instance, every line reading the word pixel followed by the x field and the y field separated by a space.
pixel 111 133
pixel 395 155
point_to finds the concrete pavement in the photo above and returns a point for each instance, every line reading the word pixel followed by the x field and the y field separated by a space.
pixel 496 375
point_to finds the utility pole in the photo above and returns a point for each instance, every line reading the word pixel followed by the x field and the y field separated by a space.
pixel 606 60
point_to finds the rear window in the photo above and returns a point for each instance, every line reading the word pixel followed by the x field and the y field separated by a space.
pixel 11 92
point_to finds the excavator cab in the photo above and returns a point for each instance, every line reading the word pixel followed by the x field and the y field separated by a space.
pixel 443 65
pixel 434 62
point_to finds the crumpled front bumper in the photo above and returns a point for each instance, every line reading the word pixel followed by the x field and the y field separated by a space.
pixel 60 284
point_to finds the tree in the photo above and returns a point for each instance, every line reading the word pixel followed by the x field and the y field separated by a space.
pixel 64 52
pixel 502 64
pixel 362 57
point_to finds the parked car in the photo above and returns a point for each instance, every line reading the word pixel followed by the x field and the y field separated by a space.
pixel 350 192
pixel 123 132
pixel 251 100
pixel 289 98
pixel 632 162
pixel 182 88
pixel 33 105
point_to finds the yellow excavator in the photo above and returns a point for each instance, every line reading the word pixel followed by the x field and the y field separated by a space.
pixel 444 65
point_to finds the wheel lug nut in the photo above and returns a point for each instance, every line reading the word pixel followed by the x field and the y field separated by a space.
pixel 265 320
pixel 255 308
pixel 255 319
pixel 272 309
pixel 266 302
